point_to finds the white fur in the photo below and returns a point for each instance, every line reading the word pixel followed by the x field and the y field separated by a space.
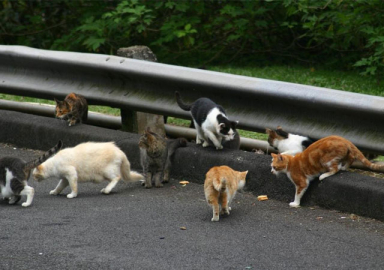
pixel 7 192
pixel 210 129
pixel 290 146
pixel 89 161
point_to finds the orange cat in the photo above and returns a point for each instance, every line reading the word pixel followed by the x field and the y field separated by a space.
pixel 220 186
pixel 322 158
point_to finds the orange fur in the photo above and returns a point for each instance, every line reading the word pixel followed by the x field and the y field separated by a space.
pixel 322 158
pixel 220 186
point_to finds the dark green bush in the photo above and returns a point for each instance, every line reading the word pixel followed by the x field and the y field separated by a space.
pixel 343 33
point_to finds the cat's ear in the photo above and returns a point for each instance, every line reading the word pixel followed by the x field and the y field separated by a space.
pixel 56 100
pixel 234 124
pixel 221 126
pixel 269 131
pixel 273 155
pixel 279 128
pixel 280 157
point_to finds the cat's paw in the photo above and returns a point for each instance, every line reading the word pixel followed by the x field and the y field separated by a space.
pixel 205 144
pixel 104 191
pixel 71 196
pixel 293 204
pixel 25 204
pixel 219 147
pixel 53 192
pixel 158 185
pixel 224 212
pixel 215 218
pixel 13 200
pixel 148 186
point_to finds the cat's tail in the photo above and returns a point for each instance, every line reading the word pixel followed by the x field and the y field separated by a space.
pixel 172 147
pixel 34 163
pixel 372 166
pixel 185 107
pixel 220 184
pixel 126 173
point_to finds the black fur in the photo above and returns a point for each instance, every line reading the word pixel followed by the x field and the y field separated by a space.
pixel 21 170
pixel 307 143
pixel 282 133
pixel 16 167
pixel 201 108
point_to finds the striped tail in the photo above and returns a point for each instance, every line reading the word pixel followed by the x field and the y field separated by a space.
pixel 185 107
pixel 220 185
pixel 34 163
pixel 368 164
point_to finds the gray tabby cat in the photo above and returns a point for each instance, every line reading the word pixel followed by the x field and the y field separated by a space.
pixel 156 154
pixel 14 174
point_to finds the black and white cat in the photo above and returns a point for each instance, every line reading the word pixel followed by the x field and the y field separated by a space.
pixel 287 143
pixel 210 121
pixel 14 174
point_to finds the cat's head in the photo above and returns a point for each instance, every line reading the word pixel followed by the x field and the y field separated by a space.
pixel 62 108
pixel 242 176
pixel 147 139
pixel 279 163
pixel 275 136
pixel 226 127
pixel 38 173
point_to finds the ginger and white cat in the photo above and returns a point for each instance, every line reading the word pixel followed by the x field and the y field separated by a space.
pixel 220 187
pixel 323 158
pixel 287 143
pixel 91 161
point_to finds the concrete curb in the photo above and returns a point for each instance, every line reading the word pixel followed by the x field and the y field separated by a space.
pixel 346 191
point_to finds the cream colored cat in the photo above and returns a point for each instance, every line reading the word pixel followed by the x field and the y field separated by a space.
pixel 91 161
pixel 220 187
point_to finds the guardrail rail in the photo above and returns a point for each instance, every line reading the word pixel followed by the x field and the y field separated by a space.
pixel 149 87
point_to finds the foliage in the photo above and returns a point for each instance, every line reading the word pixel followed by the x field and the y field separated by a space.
pixel 342 33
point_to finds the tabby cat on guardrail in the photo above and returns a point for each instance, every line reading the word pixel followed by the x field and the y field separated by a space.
pixel 220 187
pixel 156 157
pixel 73 108
pixel 287 143
pixel 86 162
pixel 210 121
pixel 322 158
pixel 14 174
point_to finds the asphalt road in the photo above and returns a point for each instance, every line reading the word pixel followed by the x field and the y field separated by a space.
pixel 136 228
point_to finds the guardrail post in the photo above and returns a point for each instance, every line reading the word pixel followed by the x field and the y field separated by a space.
pixel 133 121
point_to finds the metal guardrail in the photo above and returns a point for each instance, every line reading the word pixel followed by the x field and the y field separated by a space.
pixel 149 87
pixel 114 122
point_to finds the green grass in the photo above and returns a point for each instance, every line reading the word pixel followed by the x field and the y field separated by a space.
pixel 340 80
pixel 322 77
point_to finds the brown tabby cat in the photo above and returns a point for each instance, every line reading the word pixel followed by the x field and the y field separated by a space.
pixel 324 157
pixel 220 186
pixel 156 157
pixel 73 108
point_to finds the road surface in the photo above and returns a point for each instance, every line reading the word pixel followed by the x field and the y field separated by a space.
pixel 170 228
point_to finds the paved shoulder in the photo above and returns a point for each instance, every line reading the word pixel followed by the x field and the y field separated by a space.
pixel 170 228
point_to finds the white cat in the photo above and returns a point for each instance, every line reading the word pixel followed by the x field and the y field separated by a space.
pixel 91 161
pixel 287 143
